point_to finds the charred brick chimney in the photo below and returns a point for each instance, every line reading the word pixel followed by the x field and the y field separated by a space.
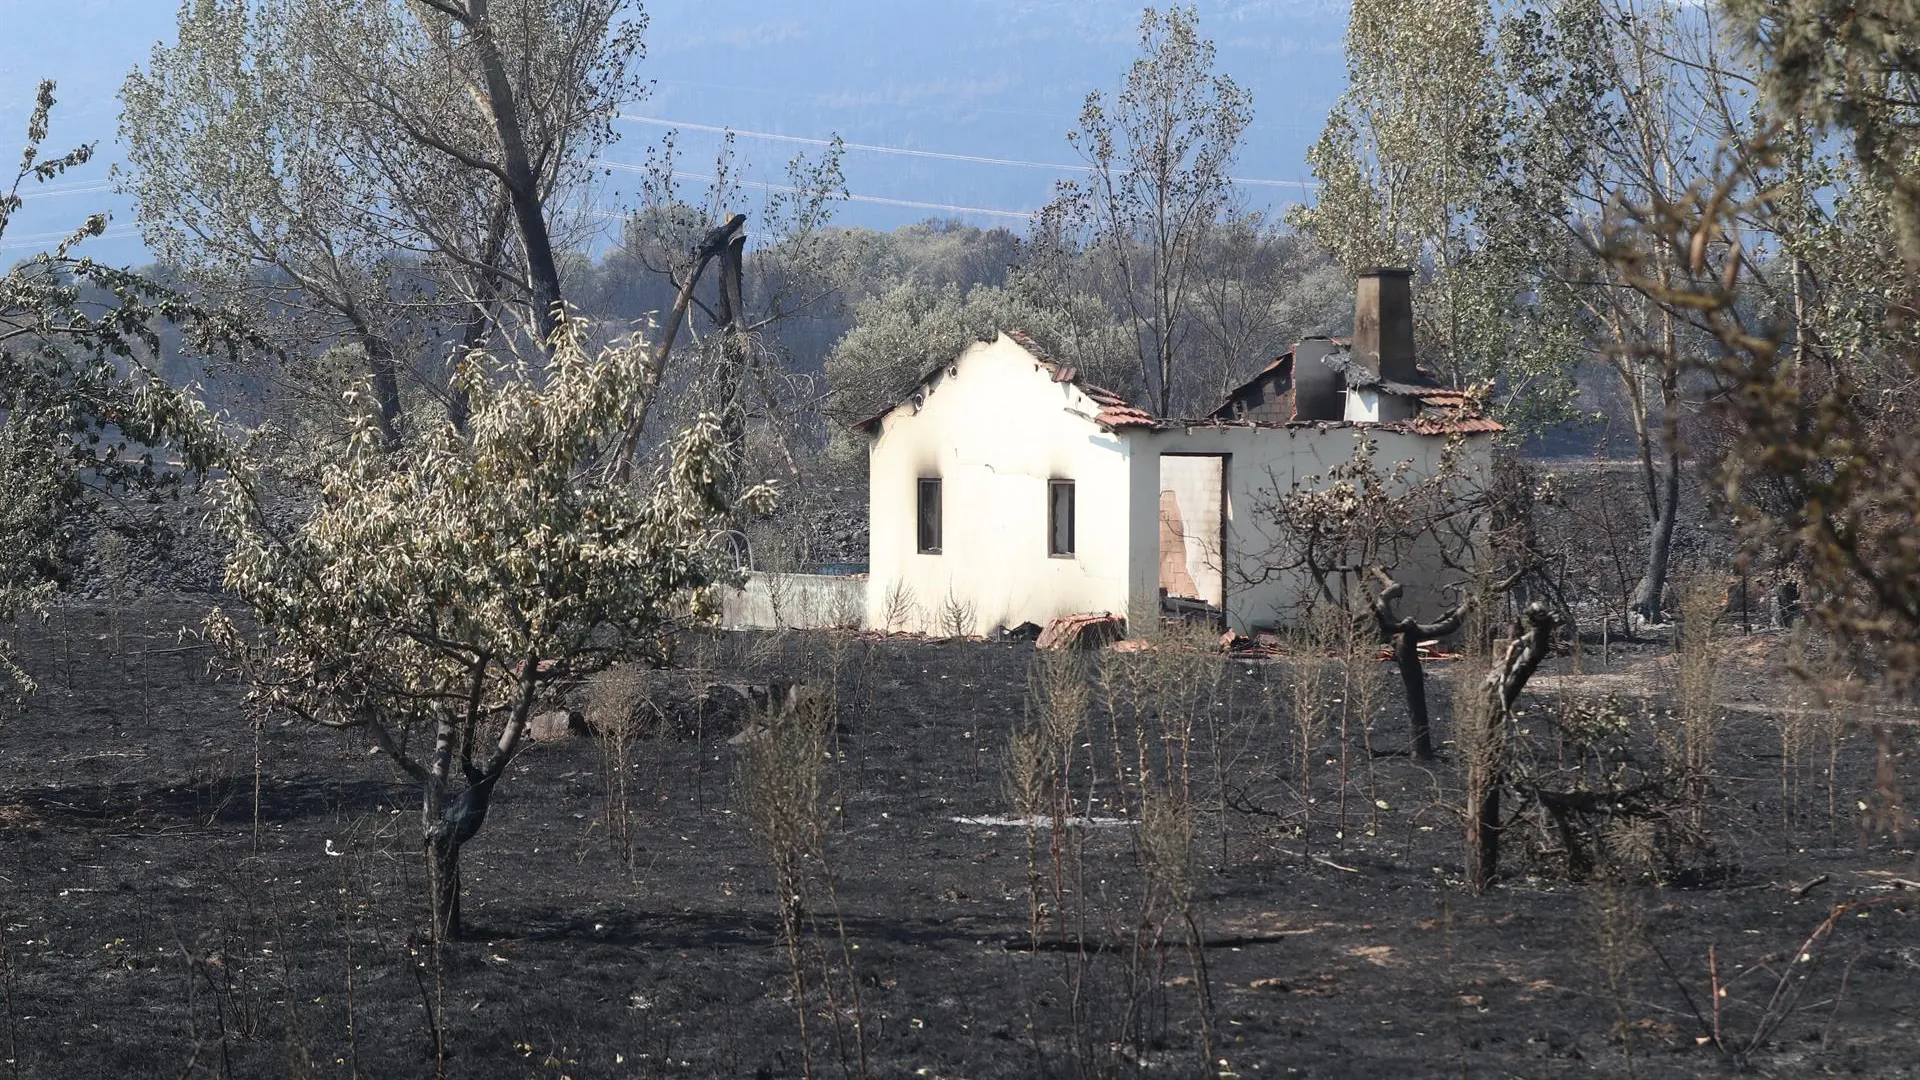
pixel 1383 323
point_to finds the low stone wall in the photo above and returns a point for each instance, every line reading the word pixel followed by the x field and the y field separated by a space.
pixel 771 601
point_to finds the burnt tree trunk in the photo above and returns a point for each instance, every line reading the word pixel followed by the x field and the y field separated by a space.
pixel 1406 654
pixel 715 242
pixel 1663 495
pixel 443 861
pixel 1406 634
pixel 1486 769
pixel 457 823
pixel 1653 582
pixel 517 172
pixel 1483 816
pixel 734 355
pixel 449 821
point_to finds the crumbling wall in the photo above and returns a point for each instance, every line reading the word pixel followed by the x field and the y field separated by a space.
pixel 1264 462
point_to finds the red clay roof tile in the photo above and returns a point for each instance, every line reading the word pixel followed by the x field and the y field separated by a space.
pixel 1451 423
pixel 1119 416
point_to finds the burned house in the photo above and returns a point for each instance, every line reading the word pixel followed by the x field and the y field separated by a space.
pixel 1005 489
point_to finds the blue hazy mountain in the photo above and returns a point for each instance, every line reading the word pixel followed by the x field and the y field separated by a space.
pixel 958 79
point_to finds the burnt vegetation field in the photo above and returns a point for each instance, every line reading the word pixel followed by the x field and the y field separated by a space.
pixel 964 859
pixel 360 554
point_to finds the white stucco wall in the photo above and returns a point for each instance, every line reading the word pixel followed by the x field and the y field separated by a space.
pixel 995 427
pixel 1261 461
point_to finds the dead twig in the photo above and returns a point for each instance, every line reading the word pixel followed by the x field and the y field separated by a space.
pixel 1800 891
pixel 1323 861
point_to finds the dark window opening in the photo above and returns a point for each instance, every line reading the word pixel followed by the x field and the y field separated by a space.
pixel 929 516
pixel 1060 517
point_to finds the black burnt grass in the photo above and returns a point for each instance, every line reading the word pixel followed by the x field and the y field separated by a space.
pixel 169 913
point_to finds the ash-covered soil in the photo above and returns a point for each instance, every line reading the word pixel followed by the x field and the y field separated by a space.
pixel 188 894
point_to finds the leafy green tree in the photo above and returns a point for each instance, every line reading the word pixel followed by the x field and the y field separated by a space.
pixel 372 173
pixel 427 598
pixel 1850 69
pixel 1487 151
pixel 898 336
pixel 81 409
pixel 1159 155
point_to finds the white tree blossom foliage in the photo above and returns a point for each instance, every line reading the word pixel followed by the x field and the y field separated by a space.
pixel 436 589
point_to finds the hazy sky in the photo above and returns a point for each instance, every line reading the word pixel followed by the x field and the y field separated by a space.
pixel 926 90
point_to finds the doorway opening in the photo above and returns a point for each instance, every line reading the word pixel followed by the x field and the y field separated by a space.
pixel 1193 536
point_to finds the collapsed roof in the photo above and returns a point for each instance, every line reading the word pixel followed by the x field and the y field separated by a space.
pixel 1371 379
pixel 1114 409
pixel 1329 373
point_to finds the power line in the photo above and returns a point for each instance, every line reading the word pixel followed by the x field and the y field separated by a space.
pixel 77 187
pixel 973 159
pixel 1068 115
pixel 879 200
pixel 44 240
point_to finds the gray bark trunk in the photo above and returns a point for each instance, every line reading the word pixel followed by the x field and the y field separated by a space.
pixel 1487 770
pixel 1653 582
pixel 385 375
pixel 523 187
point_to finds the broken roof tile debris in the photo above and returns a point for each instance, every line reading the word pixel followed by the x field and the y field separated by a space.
pixel 1087 630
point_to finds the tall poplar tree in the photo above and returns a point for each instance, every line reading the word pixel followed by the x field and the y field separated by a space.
pixel 1159 155
pixel 1435 159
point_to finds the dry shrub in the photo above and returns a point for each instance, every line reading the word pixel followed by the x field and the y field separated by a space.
pixel 616 713
pixel 1601 808
pixel 782 792
pixel 781 761
pixel 1166 852
pixel 899 609
pixel 113 561
pixel 1696 676
pixel 957 617
pixel 780 596
pixel 1122 940
pixel 1839 693
pixel 1308 695
pixel 1040 752
pixel 848 611
pixel 1619 932
pixel 1365 687
pixel 1156 702
pixel 1027 778
pixel 1039 769
pixel 1798 727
